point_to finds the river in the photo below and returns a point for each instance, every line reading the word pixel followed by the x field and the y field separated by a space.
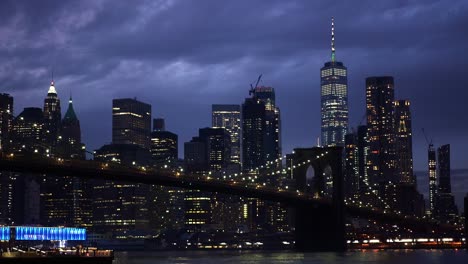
pixel 286 257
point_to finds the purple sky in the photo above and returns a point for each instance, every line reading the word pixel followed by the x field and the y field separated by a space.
pixel 183 56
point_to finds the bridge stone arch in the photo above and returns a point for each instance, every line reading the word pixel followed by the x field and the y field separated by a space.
pixel 320 227
pixel 328 177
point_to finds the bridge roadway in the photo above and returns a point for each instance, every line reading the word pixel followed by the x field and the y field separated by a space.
pixel 115 172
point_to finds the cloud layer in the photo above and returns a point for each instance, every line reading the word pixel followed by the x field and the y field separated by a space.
pixel 183 56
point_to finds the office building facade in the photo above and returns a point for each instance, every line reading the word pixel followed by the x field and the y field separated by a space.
pixel 131 122
pixel 334 99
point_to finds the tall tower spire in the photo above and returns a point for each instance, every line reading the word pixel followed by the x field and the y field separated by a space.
pixel 333 40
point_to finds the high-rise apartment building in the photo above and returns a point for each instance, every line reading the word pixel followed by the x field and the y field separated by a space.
pixel 229 118
pixel 131 122
pixel 404 142
pixel 380 129
pixel 432 177
pixel 444 204
pixel 334 99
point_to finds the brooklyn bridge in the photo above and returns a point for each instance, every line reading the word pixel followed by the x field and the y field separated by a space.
pixel 319 218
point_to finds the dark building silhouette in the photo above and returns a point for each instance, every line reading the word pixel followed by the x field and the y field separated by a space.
pixel 404 142
pixel 218 148
pixel 352 177
pixel 6 120
pixel 52 119
pixel 334 99
pixel 164 144
pixel 443 154
pixel 131 122
pixel 120 207
pixel 380 129
pixel 261 129
pixel 27 132
pixel 71 146
pixel 362 156
pixel 444 204
pixel 159 124
pixel 253 125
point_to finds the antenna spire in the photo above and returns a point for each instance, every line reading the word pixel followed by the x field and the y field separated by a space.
pixel 333 40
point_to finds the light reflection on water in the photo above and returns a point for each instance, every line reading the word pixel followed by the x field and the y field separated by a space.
pixel 287 257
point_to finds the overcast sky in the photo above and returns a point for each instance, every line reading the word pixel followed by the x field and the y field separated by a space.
pixel 183 56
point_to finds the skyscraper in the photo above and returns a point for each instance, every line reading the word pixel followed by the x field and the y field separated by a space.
pixel 261 128
pixel 443 153
pixel 334 99
pixel 164 144
pixel 445 208
pixel 253 125
pixel 131 122
pixel 404 142
pixel 432 177
pixel 380 129
pixel 217 142
pixel 71 135
pixel 229 118
pixel 352 178
pixel 52 118
pixel 6 119
pixel 362 155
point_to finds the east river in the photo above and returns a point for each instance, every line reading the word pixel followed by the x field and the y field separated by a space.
pixel 419 256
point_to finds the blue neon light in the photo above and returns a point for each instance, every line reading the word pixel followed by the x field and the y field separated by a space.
pixel 5 233
pixel 49 233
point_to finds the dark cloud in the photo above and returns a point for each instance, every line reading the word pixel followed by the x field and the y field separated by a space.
pixel 182 56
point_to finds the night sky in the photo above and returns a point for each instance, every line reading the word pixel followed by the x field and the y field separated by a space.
pixel 183 56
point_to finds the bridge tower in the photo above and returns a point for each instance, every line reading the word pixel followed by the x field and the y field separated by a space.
pixel 466 220
pixel 320 227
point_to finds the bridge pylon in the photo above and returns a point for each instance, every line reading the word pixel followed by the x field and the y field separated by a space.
pixel 320 227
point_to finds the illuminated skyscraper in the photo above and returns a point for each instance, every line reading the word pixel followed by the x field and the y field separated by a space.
pixel 404 142
pixel 261 129
pixel 380 129
pixel 229 118
pixel 6 119
pixel 334 99
pixel 131 122
pixel 52 118
pixel 432 176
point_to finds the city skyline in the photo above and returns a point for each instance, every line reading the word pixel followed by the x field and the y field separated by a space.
pixel 312 47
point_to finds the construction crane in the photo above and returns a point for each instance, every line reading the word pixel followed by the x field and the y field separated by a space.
pixel 425 136
pixel 252 88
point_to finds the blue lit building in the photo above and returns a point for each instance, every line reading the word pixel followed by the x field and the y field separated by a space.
pixel 33 233
pixel 334 100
